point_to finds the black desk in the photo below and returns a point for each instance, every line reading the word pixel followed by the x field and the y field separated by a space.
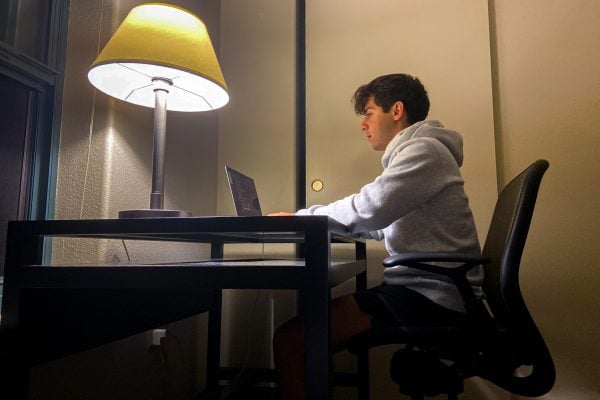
pixel 58 310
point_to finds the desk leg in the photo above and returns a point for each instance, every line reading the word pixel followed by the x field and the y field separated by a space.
pixel 316 310
pixel 315 297
pixel 360 253
pixel 362 357
pixel 15 352
pixel 14 368
pixel 213 351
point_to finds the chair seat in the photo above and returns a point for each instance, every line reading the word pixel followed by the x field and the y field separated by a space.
pixel 433 336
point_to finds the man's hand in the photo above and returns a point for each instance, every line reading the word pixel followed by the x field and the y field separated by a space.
pixel 281 214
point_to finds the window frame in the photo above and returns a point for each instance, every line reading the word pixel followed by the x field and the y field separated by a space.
pixel 45 79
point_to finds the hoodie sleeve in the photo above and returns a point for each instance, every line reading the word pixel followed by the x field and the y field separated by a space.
pixel 415 173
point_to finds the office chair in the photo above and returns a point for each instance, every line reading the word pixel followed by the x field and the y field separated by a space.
pixel 494 341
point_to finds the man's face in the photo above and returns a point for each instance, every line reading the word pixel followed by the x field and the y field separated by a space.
pixel 380 127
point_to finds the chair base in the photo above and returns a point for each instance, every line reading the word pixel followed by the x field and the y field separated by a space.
pixel 419 374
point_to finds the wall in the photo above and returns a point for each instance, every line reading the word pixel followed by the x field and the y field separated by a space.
pixel 547 94
pixel 105 166
pixel 347 47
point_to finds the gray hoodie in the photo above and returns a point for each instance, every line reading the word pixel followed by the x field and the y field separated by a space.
pixel 418 203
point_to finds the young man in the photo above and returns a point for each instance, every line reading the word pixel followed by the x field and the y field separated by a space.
pixel 417 204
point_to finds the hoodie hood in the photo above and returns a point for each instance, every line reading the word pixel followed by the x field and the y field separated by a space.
pixel 426 129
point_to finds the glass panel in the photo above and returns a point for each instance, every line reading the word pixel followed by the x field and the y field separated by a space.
pixel 32 28
pixel 7 8
pixel 257 127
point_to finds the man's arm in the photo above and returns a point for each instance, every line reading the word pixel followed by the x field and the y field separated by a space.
pixel 412 178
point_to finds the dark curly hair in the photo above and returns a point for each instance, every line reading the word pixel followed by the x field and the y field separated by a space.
pixel 388 89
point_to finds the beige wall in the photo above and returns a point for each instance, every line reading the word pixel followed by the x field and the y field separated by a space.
pixel 547 106
pixel 257 128
pixel 444 43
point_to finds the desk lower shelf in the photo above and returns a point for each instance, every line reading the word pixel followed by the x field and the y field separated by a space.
pixel 97 304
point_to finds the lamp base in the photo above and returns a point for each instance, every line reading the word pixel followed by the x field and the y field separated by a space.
pixel 153 213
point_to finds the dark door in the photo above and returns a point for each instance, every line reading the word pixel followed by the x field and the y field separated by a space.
pixel 15 100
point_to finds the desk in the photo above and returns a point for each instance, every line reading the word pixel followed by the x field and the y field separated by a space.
pixel 191 287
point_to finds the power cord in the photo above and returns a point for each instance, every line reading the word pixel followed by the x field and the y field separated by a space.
pixel 92 117
pixel 227 391
pixel 231 388
pixel 126 251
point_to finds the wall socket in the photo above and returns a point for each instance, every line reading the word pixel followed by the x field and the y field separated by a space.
pixel 155 336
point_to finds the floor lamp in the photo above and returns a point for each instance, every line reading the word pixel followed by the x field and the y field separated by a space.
pixel 161 57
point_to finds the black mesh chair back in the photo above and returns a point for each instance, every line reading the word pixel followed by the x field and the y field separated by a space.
pixel 504 246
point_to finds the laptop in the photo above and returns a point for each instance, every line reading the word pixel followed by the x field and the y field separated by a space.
pixel 244 193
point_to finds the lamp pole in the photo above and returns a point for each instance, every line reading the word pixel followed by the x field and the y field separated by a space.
pixel 161 92
pixel 157 195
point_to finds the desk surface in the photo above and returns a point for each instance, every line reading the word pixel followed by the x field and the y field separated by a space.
pixel 290 229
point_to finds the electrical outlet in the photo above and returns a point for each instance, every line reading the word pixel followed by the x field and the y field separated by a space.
pixel 155 336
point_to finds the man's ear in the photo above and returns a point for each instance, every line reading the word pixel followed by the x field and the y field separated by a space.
pixel 398 110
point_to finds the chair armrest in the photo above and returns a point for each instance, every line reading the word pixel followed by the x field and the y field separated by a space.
pixel 457 273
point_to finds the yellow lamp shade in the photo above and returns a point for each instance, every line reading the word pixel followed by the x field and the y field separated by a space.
pixel 166 42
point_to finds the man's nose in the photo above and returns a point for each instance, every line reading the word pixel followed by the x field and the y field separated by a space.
pixel 363 125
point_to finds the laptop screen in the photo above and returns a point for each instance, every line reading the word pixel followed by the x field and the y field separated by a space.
pixel 244 193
